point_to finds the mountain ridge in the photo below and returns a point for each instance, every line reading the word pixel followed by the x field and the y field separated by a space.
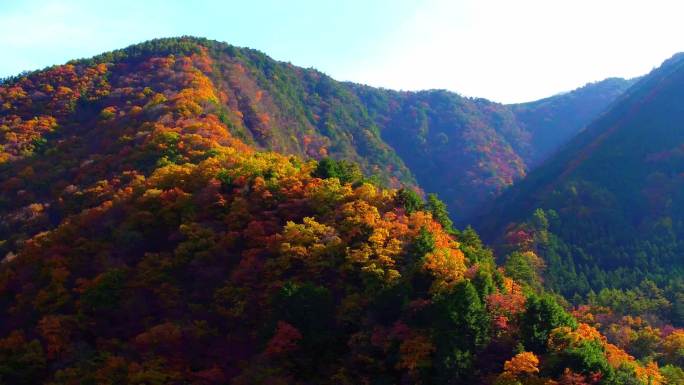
pixel 306 112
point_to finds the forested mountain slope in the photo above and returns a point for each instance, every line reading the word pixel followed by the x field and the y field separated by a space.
pixel 613 198
pixel 469 150
pixel 148 239
pixel 466 150
pixel 553 121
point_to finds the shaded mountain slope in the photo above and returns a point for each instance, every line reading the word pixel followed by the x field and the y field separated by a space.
pixel 469 150
pixel 466 150
pixel 613 195
pixel 553 121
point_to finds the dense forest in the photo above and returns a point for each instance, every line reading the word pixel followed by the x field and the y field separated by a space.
pixel 400 138
pixel 187 212
pixel 606 213
pixel 553 121
pixel 470 150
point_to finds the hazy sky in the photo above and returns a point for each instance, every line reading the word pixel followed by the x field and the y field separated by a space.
pixel 506 50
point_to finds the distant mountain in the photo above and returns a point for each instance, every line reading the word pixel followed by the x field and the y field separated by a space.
pixel 148 237
pixel 469 150
pixel 466 150
pixel 613 197
pixel 553 121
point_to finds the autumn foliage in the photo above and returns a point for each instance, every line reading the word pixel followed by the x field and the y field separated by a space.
pixel 147 243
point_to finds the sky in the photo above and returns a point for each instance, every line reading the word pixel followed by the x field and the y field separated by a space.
pixel 504 50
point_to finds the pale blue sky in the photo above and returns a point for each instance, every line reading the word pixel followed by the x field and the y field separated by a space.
pixel 504 50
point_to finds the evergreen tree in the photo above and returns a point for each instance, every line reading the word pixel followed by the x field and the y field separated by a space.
pixel 408 199
pixel 463 330
pixel 440 212
pixel 542 315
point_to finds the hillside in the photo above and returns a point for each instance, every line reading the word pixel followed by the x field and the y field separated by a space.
pixel 469 150
pixel 48 144
pixel 466 150
pixel 612 198
pixel 147 241
pixel 553 121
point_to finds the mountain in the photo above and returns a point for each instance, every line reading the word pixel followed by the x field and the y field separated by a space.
pixel 552 121
pixel 261 102
pixel 469 150
pixel 149 238
pixel 612 197
pixel 466 150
